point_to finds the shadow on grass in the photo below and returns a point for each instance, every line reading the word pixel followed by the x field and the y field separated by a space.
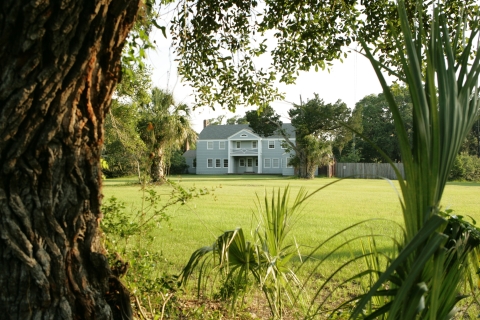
pixel 338 256
pixel 120 181
pixel 464 184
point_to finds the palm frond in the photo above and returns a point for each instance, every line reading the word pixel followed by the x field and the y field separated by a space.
pixel 444 93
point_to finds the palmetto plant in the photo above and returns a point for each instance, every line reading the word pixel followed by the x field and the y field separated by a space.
pixel 263 261
pixel 423 280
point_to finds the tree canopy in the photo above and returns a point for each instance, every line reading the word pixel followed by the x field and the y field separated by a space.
pixel 123 150
pixel 220 42
pixel 377 124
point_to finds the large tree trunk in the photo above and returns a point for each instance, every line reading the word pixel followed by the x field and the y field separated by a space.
pixel 303 167
pixel 59 66
pixel 311 168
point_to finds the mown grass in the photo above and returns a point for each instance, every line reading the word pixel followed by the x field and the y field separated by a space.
pixel 232 201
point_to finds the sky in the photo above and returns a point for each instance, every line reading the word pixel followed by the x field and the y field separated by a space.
pixel 349 81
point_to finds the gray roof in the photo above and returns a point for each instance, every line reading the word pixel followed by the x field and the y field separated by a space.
pixel 190 154
pixel 225 131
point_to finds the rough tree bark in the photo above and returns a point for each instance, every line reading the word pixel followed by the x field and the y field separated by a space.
pixel 60 62
pixel 157 172
pixel 311 171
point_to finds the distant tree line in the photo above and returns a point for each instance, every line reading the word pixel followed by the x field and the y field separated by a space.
pixel 147 132
pixel 375 123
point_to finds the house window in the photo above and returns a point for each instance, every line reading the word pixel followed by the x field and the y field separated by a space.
pixel 209 163
pixel 217 163
pixel 242 162
pixel 275 163
pixel 239 144
pixel 254 144
pixel 210 145
pixel 243 135
pixel 256 162
pixel 221 144
pixel 225 163
pixel 267 162
pixel 283 144
pixel 271 144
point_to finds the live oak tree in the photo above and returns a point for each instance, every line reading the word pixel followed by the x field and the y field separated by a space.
pixel 60 62
pixel 219 42
pixel 316 124
pixel 377 124
pixel 345 138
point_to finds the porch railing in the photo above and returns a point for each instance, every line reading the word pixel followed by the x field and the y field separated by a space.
pixel 244 151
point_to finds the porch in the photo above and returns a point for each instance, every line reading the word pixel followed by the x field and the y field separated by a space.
pixel 244 164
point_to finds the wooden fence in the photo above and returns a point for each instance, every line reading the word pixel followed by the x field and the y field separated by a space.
pixel 367 170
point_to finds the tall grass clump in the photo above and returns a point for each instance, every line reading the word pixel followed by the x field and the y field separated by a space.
pixel 424 279
pixel 264 262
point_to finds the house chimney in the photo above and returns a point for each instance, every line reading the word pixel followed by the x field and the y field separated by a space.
pixel 205 123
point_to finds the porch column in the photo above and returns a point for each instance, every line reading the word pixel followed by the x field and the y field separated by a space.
pixel 260 158
pixel 230 158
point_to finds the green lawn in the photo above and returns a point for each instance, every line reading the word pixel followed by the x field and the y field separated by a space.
pixel 232 200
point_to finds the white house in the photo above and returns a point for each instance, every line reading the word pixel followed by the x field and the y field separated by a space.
pixel 223 149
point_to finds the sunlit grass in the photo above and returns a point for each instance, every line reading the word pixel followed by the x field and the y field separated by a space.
pixel 231 202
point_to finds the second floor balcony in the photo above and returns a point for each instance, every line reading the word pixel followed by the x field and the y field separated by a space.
pixel 243 151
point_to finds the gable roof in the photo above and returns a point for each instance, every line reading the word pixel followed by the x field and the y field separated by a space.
pixel 245 132
pixel 225 131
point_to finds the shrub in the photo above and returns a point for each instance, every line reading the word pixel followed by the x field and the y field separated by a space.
pixel 177 163
pixel 465 168
pixel 128 235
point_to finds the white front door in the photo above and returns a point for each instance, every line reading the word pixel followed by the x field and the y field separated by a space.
pixel 249 167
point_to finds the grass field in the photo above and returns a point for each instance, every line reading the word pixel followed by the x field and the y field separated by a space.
pixel 232 201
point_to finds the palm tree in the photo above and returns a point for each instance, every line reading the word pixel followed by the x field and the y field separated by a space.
pixel 164 127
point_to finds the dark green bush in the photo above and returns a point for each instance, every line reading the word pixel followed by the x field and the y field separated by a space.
pixel 465 168
pixel 177 163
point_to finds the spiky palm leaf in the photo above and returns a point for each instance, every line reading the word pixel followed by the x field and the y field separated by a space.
pixel 444 92
pixel 265 260
pixel 164 127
